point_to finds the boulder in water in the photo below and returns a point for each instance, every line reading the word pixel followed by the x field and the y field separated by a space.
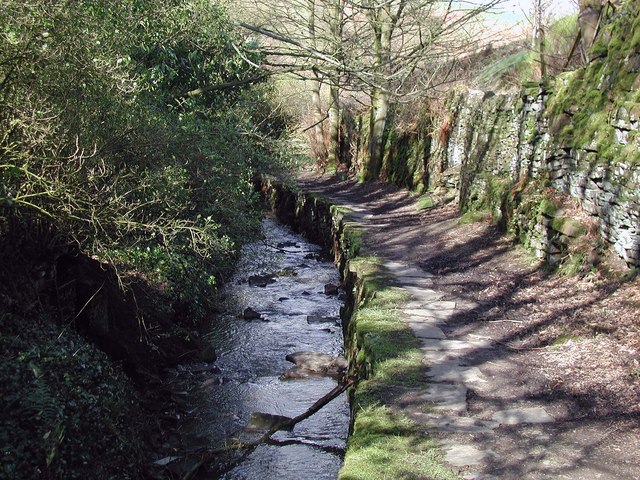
pixel 261 280
pixel 299 373
pixel 288 272
pixel 320 319
pixel 264 421
pixel 286 244
pixel 330 289
pixel 250 314
pixel 314 363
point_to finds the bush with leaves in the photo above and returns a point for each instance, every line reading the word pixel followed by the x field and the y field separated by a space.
pixel 109 129
pixel 112 138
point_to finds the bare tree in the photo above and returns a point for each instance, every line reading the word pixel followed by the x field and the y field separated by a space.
pixel 540 22
pixel 389 49
pixel 303 37
pixel 414 44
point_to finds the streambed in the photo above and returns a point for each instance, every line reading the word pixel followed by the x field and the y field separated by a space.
pixel 282 279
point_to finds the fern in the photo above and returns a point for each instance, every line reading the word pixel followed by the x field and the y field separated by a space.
pixel 48 412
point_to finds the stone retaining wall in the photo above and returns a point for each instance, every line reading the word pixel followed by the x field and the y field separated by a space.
pixel 326 224
pixel 565 152
pixel 505 141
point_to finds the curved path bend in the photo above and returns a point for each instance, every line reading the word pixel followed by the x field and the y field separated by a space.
pixel 511 394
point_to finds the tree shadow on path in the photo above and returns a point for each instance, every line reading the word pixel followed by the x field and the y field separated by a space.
pixel 570 344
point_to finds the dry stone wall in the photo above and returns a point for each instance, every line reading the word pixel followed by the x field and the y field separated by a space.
pixel 557 163
pixel 502 147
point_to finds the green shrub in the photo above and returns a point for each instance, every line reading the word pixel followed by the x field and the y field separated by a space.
pixel 109 128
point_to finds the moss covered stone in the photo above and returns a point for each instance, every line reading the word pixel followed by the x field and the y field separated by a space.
pixel 568 227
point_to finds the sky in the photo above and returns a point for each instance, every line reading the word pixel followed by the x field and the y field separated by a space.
pixel 511 16
pixel 513 11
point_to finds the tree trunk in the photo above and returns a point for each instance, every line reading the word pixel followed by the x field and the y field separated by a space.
pixel 319 148
pixel 543 60
pixel 383 23
pixel 333 153
pixel 336 13
pixel 537 38
pixel 377 124
pixel 317 145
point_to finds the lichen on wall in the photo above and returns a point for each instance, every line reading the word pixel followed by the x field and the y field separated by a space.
pixel 595 132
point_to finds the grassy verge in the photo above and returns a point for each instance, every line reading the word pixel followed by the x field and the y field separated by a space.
pixel 385 442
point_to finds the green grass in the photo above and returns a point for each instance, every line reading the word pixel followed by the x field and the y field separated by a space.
pixel 426 202
pixel 339 209
pixel 518 64
pixel 352 238
pixel 386 443
pixel 575 264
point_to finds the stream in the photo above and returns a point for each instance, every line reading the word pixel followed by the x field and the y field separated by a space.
pixel 282 278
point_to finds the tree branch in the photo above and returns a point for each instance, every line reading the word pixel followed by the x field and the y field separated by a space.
pixel 211 455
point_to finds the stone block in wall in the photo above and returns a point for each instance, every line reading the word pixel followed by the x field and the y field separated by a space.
pixel 607 197
pixel 622 136
pixel 633 255
pixel 626 120
pixel 568 227
pixel 555 248
pixel 554 258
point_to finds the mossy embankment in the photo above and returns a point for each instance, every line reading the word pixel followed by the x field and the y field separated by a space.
pixel 67 410
pixel 382 350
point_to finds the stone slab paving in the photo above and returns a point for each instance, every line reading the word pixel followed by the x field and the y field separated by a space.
pixel 436 305
pixel 463 455
pixel 454 345
pixel 403 272
pixel 491 424
pixel 450 375
pixel 452 371
pixel 515 416
pixel 433 310
pixel 460 424
pixel 425 330
pixel 446 396
pixel 423 295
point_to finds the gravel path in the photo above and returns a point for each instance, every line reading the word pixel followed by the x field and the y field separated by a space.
pixel 532 375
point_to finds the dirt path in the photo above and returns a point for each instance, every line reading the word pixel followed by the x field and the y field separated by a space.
pixel 532 375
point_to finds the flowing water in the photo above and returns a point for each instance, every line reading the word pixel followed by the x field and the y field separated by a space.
pixel 251 360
